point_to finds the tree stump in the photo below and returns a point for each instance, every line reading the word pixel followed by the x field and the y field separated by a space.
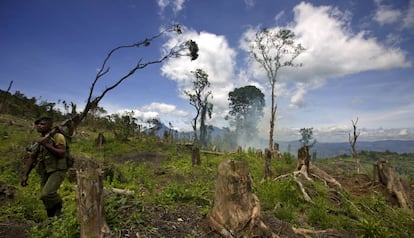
pixel 259 153
pixel 268 164
pixel 195 156
pixel 90 204
pixel 100 140
pixel 303 158
pixel 239 150
pixel 276 152
pixel 236 211
pixel 385 174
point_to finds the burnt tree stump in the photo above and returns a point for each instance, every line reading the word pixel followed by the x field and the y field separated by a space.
pixel 236 211
pixel 90 203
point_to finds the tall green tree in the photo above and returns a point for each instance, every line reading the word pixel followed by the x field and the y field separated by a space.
pixel 246 107
pixel 199 97
pixel 274 50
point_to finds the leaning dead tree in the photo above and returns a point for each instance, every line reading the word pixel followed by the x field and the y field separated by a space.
pixel 385 174
pixel 187 48
pixel 236 211
pixel 89 180
pixel 352 141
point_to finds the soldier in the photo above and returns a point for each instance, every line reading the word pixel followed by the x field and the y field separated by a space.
pixel 50 158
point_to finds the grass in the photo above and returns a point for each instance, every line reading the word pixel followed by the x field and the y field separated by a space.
pixel 173 182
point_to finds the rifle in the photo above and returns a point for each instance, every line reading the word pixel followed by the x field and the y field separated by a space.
pixel 58 128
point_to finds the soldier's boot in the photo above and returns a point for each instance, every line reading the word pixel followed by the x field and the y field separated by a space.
pixel 50 212
pixel 58 209
pixel 55 210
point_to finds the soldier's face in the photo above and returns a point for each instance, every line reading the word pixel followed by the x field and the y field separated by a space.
pixel 43 126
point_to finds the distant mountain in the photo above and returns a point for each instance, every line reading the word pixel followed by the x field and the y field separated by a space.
pixel 325 150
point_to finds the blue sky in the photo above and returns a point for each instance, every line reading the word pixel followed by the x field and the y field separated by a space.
pixel 358 60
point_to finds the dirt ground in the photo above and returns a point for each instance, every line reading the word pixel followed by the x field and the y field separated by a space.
pixel 184 219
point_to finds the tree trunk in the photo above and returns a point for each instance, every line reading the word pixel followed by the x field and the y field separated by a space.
pixel 259 153
pixel 90 204
pixel 195 156
pixel 100 140
pixel 384 173
pixel 236 211
pixel 303 158
pixel 276 153
pixel 268 164
pixel 272 114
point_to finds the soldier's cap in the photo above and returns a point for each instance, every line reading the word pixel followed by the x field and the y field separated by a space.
pixel 45 119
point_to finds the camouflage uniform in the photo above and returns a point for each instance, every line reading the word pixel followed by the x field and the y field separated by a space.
pixel 52 171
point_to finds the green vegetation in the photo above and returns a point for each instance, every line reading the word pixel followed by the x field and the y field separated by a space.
pixel 166 186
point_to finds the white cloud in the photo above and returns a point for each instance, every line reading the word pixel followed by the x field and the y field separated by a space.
pixel 279 16
pixel 163 108
pixel 408 21
pixel 332 50
pixel 177 5
pixel 386 15
pixel 250 3
pixel 216 58
pixel 298 99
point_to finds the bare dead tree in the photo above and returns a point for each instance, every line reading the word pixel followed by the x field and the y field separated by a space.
pixel 90 192
pixel 3 101
pixel 187 48
pixel 352 141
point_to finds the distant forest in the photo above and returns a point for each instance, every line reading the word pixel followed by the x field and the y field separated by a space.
pixel 19 105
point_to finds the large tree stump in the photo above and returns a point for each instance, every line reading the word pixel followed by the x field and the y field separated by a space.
pixel 90 203
pixel 236 211
pixel 385 174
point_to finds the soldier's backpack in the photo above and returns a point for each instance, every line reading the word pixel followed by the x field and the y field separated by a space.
pixel 70 160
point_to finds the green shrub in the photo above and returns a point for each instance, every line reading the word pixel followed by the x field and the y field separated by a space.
pixel 286 213
pixel 318 215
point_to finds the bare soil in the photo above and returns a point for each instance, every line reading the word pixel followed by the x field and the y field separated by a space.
pixel 185 219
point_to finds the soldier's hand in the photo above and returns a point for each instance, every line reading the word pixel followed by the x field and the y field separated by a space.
pixel 41 140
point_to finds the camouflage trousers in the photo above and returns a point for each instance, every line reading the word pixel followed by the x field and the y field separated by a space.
pixel 49 186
